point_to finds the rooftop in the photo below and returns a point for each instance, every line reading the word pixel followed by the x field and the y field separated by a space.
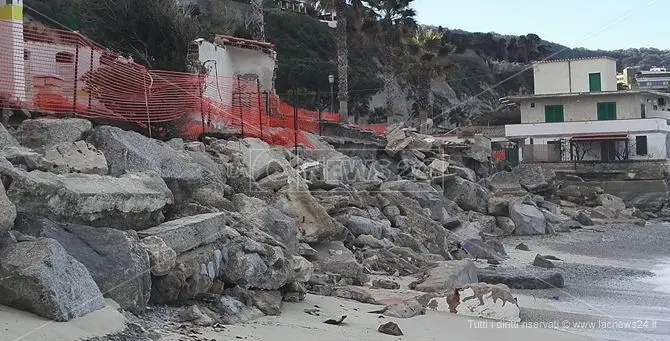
pixel 244 43
pixel 571 59
pixel 586 94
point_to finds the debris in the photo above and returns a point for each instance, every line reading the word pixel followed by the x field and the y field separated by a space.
pixel 522 247
pixel 550 257
pixel 390 328
pixel 312 311
pixel 336 322
pixel 543 262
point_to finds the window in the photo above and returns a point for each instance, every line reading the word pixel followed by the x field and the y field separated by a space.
pixel 606 111
pixel 532 105
pixel 594 82
pixel 643 110
pixel 553 113
pixel 641 145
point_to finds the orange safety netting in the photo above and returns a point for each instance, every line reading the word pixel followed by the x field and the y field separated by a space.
pixel 61 72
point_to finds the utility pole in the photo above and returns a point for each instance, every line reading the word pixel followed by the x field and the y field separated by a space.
pixel 256 23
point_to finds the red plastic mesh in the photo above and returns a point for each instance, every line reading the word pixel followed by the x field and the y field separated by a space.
pixel 61 72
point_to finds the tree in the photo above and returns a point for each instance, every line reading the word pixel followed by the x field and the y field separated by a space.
pixel 340 7
pixel 155 33
pixel 390 22
pixel 427 59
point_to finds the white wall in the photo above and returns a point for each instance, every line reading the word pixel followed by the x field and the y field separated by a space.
pixel 583 108
pixel 551 78
pixel 234 61
pixel 592 127
pixel 580 70
pixel 573 75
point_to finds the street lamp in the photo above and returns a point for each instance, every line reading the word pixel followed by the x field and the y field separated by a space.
pixel 331 80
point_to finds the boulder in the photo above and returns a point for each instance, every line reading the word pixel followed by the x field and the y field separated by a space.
pixel 549 206
pixel 390 328
pixel 130 152
pixel 468 195
pixel 414 223
pixel 180 284
pixel 7 212
pixel 250 264
pixel 447 276
pixel 601 212
pixel 235 312
pixel 506 225
pixel 584 219
pixel 579 193
pixel 463 172
pixel 277 219
pixel 306 250
pixel 396 261
pixel 6 139
pixel 363 226
pixel 441 209
pixel 267 301
pixel 535 178
pixel 478 249
pixel 161 257
pixel 40 277
pixel 74 157
pixel 498 207
pixel 294 292
pixel 116 261
pixel 46 132
pixel 368 241
pixel 335 258
pixel 528 219
pixel 522 278
pixel 490 301
pixel 405 309
pixel 188 233
pixel 258 157
pixel 522 247
pixel 438 167
pixel 554 219
pixel 193 315
pixel 133 201
pixel 314 223
pixel 385 284
pixel 359 294
pixel 505 183
pixel 543 262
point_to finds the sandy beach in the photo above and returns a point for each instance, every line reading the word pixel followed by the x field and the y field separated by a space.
pixel 616 289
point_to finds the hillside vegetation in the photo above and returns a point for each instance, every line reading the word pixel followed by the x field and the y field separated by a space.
pixel 460 79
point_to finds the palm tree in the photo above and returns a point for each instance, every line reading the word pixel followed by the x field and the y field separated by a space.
pixel 391 22
pixel 340 8
pixel 426 60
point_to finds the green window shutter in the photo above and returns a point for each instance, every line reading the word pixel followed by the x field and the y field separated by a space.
pixel 594 82
pixel 553 113
pixel 606 111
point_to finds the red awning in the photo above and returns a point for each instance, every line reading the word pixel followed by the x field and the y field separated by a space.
pixel 599 137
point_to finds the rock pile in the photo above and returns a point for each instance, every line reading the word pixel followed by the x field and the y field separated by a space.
pixel 241 226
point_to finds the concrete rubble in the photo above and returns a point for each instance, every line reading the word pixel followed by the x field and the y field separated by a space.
pixel 232 228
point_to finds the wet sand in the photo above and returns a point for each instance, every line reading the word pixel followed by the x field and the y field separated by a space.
pixel 616 281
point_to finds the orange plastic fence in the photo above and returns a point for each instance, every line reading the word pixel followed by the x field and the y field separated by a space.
pixel 61 72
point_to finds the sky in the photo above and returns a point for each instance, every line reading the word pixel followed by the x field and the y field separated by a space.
pixel 594 24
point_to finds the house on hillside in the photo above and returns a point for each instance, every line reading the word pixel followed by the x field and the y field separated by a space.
pixel 577 114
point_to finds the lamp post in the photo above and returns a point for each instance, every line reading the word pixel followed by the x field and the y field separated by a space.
pixel 331 80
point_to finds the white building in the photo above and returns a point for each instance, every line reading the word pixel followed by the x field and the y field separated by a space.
pixel 657 78
pixel 577 114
